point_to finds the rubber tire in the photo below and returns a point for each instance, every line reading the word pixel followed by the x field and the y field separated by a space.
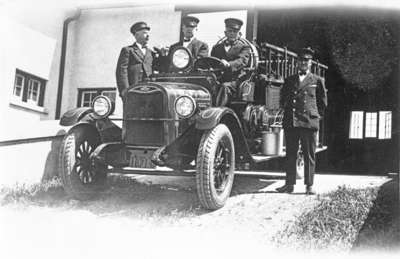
pixel 71 182
pixel 300 165
pixel 208 196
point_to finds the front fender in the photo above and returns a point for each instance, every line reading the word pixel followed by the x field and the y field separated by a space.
pixel 109 132
pixel 71 117
pixel 209 118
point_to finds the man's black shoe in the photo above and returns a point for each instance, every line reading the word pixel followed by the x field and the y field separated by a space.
pixel 309 190
pixel 286 188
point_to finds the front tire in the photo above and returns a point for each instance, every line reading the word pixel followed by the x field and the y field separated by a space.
pixel 215 167
pixel 81 178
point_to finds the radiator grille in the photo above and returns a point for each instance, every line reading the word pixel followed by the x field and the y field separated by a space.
pixel 139 107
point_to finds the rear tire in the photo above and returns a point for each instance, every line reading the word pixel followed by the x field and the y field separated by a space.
pixel 300 165
pixel 215 167
pixel 81 178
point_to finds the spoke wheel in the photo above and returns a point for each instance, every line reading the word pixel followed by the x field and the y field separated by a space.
pixel 215 166
pixel 300 165
pixel 221 167
pixel 82 178
pixel 83 166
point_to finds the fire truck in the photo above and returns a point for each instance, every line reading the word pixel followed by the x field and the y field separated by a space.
pixel 172 126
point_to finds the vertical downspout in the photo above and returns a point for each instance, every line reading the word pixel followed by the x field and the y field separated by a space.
pixel 62 61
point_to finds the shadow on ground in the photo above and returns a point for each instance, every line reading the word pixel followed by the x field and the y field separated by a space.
pixel 381 229
pixel 128 197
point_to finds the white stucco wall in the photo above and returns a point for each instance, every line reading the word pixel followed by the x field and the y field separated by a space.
pixel 97 37
pixel 29 51
pixel 31 42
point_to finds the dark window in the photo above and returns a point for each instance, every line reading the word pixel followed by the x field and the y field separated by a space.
pixel 29 88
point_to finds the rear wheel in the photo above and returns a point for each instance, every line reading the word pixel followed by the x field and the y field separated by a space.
pixel 215 167
pixel 300 164
pixel 82 179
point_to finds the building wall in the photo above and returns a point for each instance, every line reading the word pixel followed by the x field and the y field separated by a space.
pixel 96 38
pixel 32 52
pixel 31 43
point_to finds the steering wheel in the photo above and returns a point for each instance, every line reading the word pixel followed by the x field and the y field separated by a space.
pixel 209 64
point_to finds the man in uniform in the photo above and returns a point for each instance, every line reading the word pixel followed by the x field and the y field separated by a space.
pixel 135 61
pixel 235 56
pixel 198 48
pixel 303 99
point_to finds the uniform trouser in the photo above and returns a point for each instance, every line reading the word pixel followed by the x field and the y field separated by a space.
pixel 307 138
pixel 225 93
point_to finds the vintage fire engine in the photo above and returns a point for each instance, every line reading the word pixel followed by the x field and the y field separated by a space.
pixel 171 126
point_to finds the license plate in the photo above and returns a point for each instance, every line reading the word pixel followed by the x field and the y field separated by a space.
pixel 140 159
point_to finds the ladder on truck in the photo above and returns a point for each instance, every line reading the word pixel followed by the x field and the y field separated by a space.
pixel 278 63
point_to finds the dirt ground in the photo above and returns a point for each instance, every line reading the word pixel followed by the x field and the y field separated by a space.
pixel 159 217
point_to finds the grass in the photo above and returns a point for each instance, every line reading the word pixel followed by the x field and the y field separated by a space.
pixel 49 190
pixel 125 196
pixel 339 220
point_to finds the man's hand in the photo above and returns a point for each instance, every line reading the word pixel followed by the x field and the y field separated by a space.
pixel 226 63
pixel 123 93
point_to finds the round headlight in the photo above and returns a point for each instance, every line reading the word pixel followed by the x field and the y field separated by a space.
pixel 181 58
pixel 185 106
pixel 102 106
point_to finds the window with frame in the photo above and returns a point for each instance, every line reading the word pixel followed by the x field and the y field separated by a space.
pixel 385 124
pixel 29 88
pixel 86 95
pixel 356 124
pixel 376 125
pixel 371 122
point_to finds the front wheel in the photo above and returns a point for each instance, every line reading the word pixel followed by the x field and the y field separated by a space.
pixel 81 178
pixel 215 167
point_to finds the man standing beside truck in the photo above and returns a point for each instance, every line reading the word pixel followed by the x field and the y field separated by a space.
pixel 303 98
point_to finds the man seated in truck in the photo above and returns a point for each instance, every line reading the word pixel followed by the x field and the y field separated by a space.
pixel 235 56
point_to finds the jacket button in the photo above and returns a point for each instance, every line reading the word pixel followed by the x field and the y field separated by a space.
pixel 295 92
pixel 294 109
pixel 294 101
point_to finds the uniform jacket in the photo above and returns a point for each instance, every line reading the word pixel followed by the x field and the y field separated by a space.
pixel 133 66
pixel 303 102
pixel 198 48
pixel 238 57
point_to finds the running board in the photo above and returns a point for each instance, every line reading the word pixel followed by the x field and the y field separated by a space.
pixel 164 171
pixel 262 158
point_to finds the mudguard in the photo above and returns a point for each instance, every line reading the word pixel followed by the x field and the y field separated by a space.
pixel 109 132
pixel 211 117
pixel 81 114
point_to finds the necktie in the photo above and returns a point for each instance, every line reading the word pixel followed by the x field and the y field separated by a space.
pixel 186 40
pixel 301 73
pixel 228 43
